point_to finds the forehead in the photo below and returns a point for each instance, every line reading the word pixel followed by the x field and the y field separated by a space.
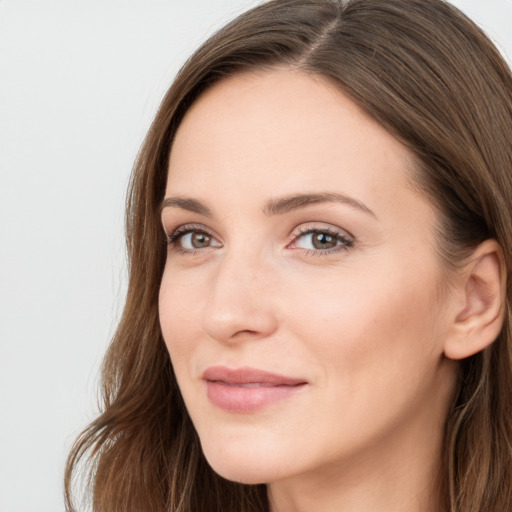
pixel 263 134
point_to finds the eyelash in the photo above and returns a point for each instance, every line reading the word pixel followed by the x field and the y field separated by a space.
pixel 344 243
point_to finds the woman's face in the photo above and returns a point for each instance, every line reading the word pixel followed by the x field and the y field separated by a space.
pixel 302 300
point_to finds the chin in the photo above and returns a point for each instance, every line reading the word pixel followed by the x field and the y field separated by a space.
pixel 244 465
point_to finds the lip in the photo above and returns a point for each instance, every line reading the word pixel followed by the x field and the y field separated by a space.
pixel 246 390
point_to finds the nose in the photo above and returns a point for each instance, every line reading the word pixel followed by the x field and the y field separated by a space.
pixel 241 303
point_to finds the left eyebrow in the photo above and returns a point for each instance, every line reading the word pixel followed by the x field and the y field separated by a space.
pixel 286 204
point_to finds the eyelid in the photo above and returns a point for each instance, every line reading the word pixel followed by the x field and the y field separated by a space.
pixel 306 227
pixel 171 227
pixel 309 227
pixel 175 233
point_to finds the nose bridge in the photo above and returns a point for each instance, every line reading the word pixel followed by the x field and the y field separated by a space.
pixel 239 298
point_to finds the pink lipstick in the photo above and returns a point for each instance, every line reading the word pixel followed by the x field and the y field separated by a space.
pixel 246 390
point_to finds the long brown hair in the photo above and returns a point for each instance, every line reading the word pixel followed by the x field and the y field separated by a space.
pixel 433 80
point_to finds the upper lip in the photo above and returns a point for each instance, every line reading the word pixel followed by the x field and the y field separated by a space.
pixel 247 375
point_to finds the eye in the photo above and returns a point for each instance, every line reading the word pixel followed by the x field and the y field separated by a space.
pixel 322 240
pixel 189 239
pixel 195 240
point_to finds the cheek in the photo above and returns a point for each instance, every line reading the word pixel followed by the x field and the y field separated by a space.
pixel 179 316
pixel 374 345
pixel 369 326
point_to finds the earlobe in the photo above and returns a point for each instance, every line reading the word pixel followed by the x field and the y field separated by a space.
pixel 479 317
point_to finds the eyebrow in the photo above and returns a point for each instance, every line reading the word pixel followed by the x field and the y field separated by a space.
pixel 286 204
pixel 186 203
pixel 277 206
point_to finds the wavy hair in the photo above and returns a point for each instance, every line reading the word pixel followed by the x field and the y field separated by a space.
pixel 430 77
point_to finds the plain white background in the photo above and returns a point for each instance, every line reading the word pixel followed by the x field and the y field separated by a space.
pixel 79 83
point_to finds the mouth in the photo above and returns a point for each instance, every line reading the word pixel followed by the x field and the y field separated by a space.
pixel 247 390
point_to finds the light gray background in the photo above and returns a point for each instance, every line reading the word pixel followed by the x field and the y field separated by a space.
pixel 79 83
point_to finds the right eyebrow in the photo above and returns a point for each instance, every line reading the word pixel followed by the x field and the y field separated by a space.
pixel 185 203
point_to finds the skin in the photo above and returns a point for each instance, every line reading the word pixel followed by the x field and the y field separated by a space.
pixel 364 322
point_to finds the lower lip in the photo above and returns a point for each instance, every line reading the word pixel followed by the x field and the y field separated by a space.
pixel 241 399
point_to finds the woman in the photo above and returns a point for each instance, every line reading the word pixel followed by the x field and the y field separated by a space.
pixel 323 322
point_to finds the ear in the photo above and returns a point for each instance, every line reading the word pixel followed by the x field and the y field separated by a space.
pixel 480 301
